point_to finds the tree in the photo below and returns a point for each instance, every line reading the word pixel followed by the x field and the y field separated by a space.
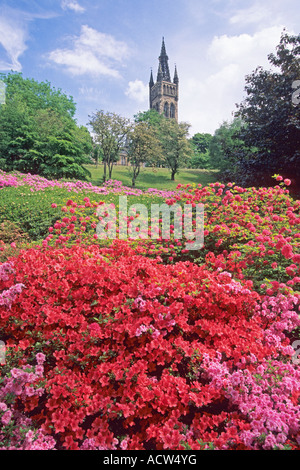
pixel 38 132
pixel 110 130
pixel 271 121
pixel 37 95
pixel 201 155
pixel 176 148
pixel 154 119
pixel 69 149
pixel 17 135
pixel 143 148
pixel 226 148
pixel 97 154
pixel 173 137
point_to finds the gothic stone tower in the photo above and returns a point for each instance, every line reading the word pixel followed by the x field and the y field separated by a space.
pixel 164 93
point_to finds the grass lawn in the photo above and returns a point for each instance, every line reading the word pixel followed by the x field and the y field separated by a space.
pixel 159 178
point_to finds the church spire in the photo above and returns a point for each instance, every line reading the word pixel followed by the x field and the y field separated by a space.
pixel 160 75
pixel 151 82
pixel 163 63
pixel 176 79
pixel 163 94
pixel 163 48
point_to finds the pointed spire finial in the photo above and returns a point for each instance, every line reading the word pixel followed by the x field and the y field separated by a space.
pixel 176 79
pixel 151 83
pixel 160 73
pixel 163 52
pixel 163 62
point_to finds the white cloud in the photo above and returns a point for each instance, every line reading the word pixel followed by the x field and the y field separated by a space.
pixel 72 5
pixel 13 35
pixel 209 99
pixel 14 26
pixel 92 53
pixel 207 103
pixel 247 50
pixel 138 91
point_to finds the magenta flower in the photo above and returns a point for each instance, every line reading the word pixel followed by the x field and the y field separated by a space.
pixel 287 251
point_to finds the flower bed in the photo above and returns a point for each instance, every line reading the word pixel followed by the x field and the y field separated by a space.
pixel 141 355
pixel 39 183
pixel 144 344
pixel 253 233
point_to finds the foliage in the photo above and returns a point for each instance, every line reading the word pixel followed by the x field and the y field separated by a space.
pixel 11 232
pixel 176 148
pixel 97 154
pixel 152 117
pixel 143 149
pixel 173 137
pixel 38 133
pixel 30 204
pixel 29 211
pixel 201 152
pixel 271 122
pixel 37 95
pixel 110 131
pixel 226 149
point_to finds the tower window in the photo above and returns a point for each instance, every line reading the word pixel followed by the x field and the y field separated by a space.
pixel 172 111
pixel 166 110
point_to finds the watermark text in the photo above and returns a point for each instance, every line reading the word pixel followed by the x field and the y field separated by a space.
pixel 165 221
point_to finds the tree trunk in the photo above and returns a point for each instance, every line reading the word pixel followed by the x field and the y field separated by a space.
pixel 104 172
pixel 110 169
pixel 173 175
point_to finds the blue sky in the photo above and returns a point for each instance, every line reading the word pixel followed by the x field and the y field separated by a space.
pixel 101 51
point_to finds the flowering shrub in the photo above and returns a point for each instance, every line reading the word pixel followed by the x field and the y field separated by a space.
pixel 143 355
pixel 144 344
pixel 31 204
pixel 8 296
pixel 253 233
pixel 38 183
pixel 10 232
pixel 22 386
pixel 256 231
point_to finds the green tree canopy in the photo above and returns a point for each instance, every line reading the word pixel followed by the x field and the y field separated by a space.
pixel 110 131
pixel 37 95
pixel 226 148
pixel 200 143
pixel 143 148
pixel 271 118
pixel 38 132
pixel 176 148
pixel 152 117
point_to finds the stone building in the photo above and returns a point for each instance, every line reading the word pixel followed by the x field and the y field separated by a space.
pixel 164 93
